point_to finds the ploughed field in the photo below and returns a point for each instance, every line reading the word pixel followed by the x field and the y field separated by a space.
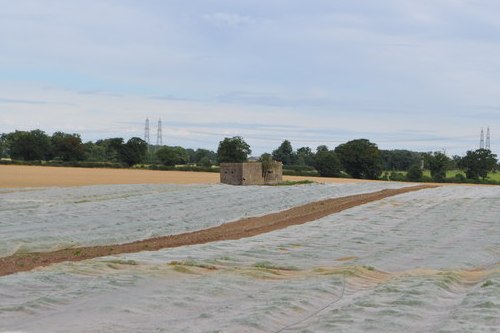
pixel 422 261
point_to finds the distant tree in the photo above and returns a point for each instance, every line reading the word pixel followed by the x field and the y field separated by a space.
pixel 67 147
pixel 438 163
pixel 192 156
pixel 285 153
pixel 267 161
pixel 455 162
pixel 4 151
pixel 399 159
pixel 360 158
pixel 94 152
pixel 29 146
pixel 265 157
pixel 232 150
pixel 171 156
pixel 305 156
pixel 134 151
pixel 321 148
pixel 478 163
pixel 113 147
pixel 205 162
pixel 327 164
pixel 205 156
pixel 414 173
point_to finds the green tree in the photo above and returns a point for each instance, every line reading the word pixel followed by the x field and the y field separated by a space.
pixel 399 159
pixel 4 152
pixel 267 161
pixel 204 155
pixel 171 156
pixel 266 158
pixel 438 163
pixel 414 173
pixel 94 152
pixel 321 148
pixel 67 147
pixel 29 146
pixel 113 147
pixel 192 155
pixel 205 162
pixel 134 151
pixel 455 162
pixel 360 158
pixel 478 163
pixel 305 156
pixel 233 150
pixel 285 153
pixel 327 163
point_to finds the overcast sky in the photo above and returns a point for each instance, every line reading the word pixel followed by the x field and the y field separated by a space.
pixel 421 75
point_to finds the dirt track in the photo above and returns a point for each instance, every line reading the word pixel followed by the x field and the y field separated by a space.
pixel 234 230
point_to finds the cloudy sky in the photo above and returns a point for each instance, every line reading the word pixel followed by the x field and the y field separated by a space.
pixel 413 74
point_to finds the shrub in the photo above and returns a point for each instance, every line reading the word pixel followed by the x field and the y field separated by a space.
pixel 397 176
pixel 414 173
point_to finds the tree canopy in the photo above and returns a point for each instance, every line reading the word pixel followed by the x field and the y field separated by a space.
pixel 414 173
pixel 134 151
pixel 171 156
pixel 29 146
pixel 327 164
pixel 478 163
pixel 305 156
pixel 233 150
pixel 400 159
pixel 438 163
pixel 284 153
pixel 67 147
pixel 360 158
pixel 112 148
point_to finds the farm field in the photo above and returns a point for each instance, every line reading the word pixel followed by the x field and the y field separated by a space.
pixel 16 176
pixel 49 219
pixel 421 261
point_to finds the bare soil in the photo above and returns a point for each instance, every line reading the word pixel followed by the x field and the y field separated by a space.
pixel 17 176
pixel 234 230
pixel 14 176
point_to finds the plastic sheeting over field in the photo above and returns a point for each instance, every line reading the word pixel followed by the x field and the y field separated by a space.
pixel 55 218
pixel 426 261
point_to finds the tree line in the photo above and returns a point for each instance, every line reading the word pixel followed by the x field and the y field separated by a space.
pixel 361 158
pixel 358 158
pixel 36 145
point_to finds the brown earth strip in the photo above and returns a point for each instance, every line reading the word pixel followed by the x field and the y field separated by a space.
pixel 247 227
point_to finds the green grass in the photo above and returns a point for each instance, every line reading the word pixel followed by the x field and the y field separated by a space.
pixel 487 284
pixel 272 266
pixel 450 174
pixel 494 176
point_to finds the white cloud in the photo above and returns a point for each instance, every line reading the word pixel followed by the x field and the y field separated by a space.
pixel 358 68
pixel 202 124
